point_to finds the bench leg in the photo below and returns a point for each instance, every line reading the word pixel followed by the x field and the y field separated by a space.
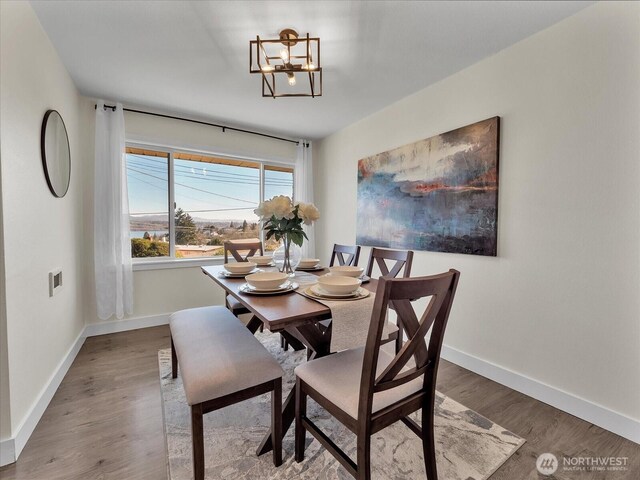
pixel 197 436
pixel 174 361
pixel 276 421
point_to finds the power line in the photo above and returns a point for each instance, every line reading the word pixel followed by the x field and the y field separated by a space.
pixel 150 159
pixel 194 188
pixel 165 189
pixel 186 196
pixel 276 183
pixel 268 183
pixel 231 174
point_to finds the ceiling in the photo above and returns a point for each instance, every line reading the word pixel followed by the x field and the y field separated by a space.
pixel 192 57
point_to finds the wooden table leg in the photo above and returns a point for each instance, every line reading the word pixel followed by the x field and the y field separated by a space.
pixel 317 343
pixel 254 324
pixel 293 341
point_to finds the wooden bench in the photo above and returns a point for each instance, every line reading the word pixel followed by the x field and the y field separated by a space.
pixel 222 363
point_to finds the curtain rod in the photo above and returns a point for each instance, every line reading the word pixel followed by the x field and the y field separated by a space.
pixel 223 127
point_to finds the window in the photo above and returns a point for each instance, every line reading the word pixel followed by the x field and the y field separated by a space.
pixel 277 181
pixel 148 184
pixel 212 200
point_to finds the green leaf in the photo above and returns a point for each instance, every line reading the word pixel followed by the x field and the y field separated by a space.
pixel 296 238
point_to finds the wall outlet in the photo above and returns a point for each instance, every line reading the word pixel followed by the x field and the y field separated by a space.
pixel 55 282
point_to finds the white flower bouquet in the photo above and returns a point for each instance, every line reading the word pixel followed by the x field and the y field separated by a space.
pixel 282 219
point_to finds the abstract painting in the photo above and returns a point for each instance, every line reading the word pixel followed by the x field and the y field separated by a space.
pixel 439 194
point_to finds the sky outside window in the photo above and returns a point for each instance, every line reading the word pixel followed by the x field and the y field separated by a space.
pixel 212 191
pixel 277 182
pixel 148 185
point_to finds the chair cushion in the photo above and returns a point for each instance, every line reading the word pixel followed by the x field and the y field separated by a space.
pixel 337 378
pixel 217 355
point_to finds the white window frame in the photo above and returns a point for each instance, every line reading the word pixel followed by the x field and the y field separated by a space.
pixel 170 262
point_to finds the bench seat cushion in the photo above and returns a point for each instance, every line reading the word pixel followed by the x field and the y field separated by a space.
pixel 217 354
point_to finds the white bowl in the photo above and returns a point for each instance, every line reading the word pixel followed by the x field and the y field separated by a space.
pixel 266 280
pixel 347 271
pixel 240 267
pixel 309 262
pixel 338 284
pixel 261 260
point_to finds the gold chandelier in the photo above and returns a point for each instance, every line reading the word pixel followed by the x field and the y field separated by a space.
pixel 291 57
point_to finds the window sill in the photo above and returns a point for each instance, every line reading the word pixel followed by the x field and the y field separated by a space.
pixel 169 264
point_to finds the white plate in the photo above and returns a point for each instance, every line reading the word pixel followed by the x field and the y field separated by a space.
pixel 318 290
pixel 280 287
pixel 360 293
pixel 270 264
pixel 246 288
pixel 311 269
pixel 228 274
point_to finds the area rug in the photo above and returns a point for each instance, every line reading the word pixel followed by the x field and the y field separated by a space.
pixel 469 446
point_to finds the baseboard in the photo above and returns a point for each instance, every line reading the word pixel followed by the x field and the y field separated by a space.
pixel 7 452
pixel 591 412
pixel 93 329
pixel 11 448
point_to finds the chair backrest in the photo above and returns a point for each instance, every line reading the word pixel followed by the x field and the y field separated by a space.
pixel 351 251
pixel 399 293
pixel 402 258
pixel 241 250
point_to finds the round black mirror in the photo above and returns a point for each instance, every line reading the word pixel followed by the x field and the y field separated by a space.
pixel 56 157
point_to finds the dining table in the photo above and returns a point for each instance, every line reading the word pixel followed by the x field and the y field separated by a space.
pixel 297 317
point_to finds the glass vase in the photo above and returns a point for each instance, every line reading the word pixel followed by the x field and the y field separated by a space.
pixel 287 256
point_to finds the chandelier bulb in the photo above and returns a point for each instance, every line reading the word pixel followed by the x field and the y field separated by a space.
pixel 292 79
pixel 284 55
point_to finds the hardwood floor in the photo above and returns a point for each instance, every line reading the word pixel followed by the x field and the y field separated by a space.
pixel 105 421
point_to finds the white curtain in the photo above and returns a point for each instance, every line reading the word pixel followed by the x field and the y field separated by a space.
pixel 303 191
pixel 112 245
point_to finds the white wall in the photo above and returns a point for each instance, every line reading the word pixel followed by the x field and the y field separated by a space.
pixel 161 292
pixel 5 399
pixel 41 232
pixel 561 302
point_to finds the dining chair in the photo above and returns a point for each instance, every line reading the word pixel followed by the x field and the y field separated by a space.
pixel 379 257
pixel 403 260
pixel 240 251
pixel 368 389
pixel 339 251
pixel 352 253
